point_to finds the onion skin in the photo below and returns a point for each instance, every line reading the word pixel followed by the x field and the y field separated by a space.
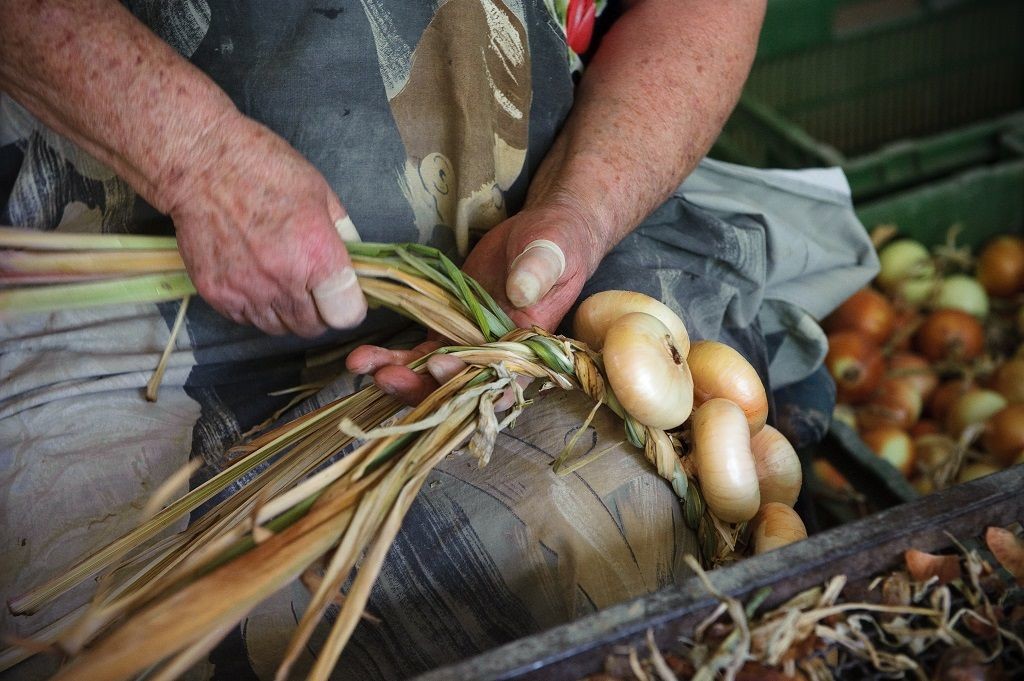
pixel 720 371
pixel 775 526
pixel 866 311
pixel 856 365
pixel 779 474
pixel 893 445
pixel 904 261
pixel 646 371
pixel 915 371
pixel 1009 381
pixel 950 334
pixel 1004 434
pixel 960 292
pixel 597 313
pixel 945 395
pixel 895 403
pixel 1001 266
pixel 974 406
pixel 832 478
pixel 924 427
pixel 973 471
pixel 725 464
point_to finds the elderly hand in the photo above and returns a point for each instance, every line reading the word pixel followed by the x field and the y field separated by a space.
pixel 534 264
pixel 258 228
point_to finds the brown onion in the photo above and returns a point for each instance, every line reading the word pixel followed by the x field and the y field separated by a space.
pixel 720 371
pixel 868 312
pixel 647 373
pixel 1009 381
pixel 895 403
pixel 1001 266
pixel 779 474
pixel 725 464
pixel 950 334
pixel 945 395
pixel 1004 434
pixel 831 477
pixel 925 427
pixel 914 370
pixel 856 364
pixel 973 471
pixel 893 445
pixel 974 406
pixel 775 526
pixel 597 313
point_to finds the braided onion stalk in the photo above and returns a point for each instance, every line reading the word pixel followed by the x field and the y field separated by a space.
pixel 164 602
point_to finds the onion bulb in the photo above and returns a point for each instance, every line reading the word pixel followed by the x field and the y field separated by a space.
pixel 856 364
pixel 945 395
pixel 720 371
pixel 895 403
pixel 950 334
pixel 775 526
pixel 906 270
pixel 1001 266
pixel 1004 434
pixel 974 406
pixel 868 312
pixel 778 467
pixel 725 464
pixel 831 477
pixel 647 373
pixel 973 471
pixel 893 445
pixel 960 292
pixel 597 313
pixel 915 371
pixel 1009 381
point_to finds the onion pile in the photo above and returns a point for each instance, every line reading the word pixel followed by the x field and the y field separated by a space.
pixel 706 394
pixel 929 362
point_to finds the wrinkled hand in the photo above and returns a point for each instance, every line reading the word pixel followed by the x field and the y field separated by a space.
pixel 530 283
pixel 258 228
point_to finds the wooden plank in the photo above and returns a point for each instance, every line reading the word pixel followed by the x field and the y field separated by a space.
pixel 858 550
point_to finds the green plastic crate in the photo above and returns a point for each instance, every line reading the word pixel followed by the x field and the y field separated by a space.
pixel 836 80
pixel 984 202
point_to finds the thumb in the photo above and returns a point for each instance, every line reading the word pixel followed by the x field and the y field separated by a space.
pixel 338 298
pixel 533 272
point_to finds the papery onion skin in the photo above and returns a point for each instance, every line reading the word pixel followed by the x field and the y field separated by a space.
pixel 914 370
pixel 725 464
pixel 775 526
pixel 855 364
pixel 1004 434
pixel 779 473
pixel 831 477
pixel 974 406
pixel 648 375
pixel 1001 266
pixel 903 260
pixel 973 471
pixel 1009 381
pixel 720 371
pixel 950 334
pixel 866 311
pixel 597 313
pixel 895 403
pixel 893 445
pixel 960 292
pixel 945 395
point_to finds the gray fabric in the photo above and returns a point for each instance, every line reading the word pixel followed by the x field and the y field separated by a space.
pixel 485 556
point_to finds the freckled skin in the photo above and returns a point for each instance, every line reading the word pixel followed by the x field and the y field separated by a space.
pixel 255 221
pixel 649 106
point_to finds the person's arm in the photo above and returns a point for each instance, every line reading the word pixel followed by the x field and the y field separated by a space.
pixel 648 108
pixel 255 221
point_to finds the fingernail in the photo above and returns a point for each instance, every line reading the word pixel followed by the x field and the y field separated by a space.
pixel 534 272
pixel 340 300
pixel 347 229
